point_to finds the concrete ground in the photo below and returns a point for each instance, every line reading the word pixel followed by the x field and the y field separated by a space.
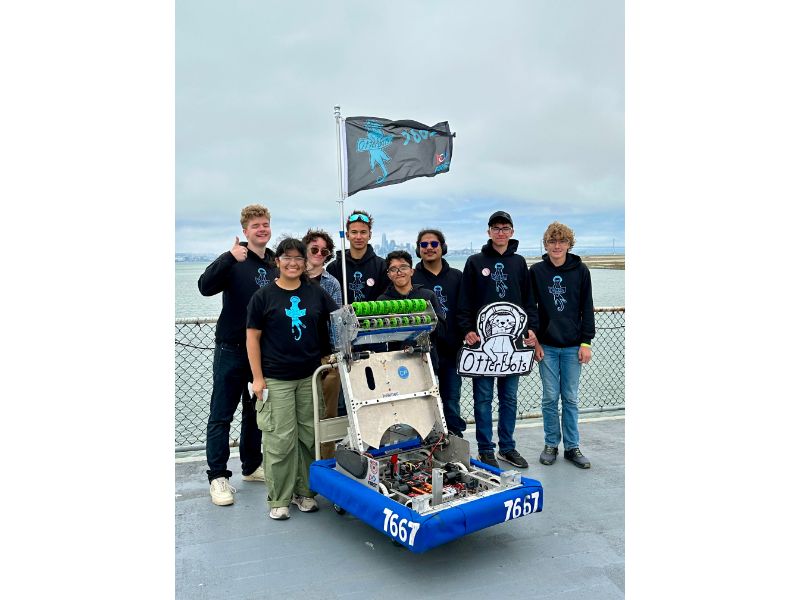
pixel 573 549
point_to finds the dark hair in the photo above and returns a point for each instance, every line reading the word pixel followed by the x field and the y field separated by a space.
pixel 398 255
pixel 359 212
pixel 435 232
pixel 312 234
pixel 290 243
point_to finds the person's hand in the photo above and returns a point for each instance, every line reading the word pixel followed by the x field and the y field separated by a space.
pixel 472 338
pixel 538 354
pixel 530 340
pixel 259 385
pixel 584 355
pixel 239 252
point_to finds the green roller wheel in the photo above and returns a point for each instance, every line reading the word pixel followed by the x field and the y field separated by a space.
pixel 365 324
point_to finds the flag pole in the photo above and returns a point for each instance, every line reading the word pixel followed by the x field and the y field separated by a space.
pixel 342 195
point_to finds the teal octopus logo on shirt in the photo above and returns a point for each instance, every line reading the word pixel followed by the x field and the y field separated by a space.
pixel 374 143
pixel 499 280
pixel 437 289
pixel 357 287
pixel 558 292
pixel 261 278
pixel 294 313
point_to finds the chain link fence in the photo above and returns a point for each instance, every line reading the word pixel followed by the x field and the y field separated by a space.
pixel 602 384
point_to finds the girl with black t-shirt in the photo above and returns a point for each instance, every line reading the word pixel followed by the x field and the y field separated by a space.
pixel 287 334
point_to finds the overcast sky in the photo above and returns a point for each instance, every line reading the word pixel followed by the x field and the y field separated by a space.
pixel 533 89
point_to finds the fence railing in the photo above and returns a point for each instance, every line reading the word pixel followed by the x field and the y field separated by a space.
pixel 602 384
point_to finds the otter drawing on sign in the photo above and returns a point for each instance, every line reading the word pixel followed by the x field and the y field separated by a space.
pixel 500 352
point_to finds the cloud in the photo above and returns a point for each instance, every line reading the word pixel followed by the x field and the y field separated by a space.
pixel 534 90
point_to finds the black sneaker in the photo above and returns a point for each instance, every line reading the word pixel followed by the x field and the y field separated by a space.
pixel 548 455
pixel 489 459
pixel 514 457
pixel 577 458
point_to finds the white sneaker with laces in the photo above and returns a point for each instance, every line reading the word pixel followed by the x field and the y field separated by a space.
pixel 222 492
pixel 257 475
pixel 305 504
pixel 279 513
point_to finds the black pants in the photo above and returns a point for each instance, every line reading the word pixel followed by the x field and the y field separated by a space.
pixel 231 376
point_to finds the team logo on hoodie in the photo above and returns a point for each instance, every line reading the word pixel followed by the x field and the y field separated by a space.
pixel 261 278
pixel 294 313
pixel 357 287
pixel 499 280
pixel 437 289
pixel 558 292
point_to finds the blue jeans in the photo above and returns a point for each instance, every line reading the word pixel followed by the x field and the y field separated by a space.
pixel 482 392
pixel 560 372
pixel 450 391
pixel 231 376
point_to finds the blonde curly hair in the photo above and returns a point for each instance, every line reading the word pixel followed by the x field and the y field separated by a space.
pixel 253 211
pixel 559 231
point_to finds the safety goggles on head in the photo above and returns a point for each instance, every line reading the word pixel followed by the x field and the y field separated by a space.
pixel 323 251
pixel 425 244
pixel 358 217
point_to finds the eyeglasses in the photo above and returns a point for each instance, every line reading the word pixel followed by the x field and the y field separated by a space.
pixel 505 229
pixel 358 217
pixel 556 242
pixel 324 251
pixel 291 259
pixel 425 244
pixel 400 269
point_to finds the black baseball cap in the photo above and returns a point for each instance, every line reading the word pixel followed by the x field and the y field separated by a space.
pixel 500 215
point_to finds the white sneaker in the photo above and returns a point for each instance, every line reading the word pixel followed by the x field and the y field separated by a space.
pixel 257 475
pixel 279 513
pixel 305 504
pixel 222 492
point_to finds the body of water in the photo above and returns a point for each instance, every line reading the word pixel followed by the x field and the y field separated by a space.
pixel 608 287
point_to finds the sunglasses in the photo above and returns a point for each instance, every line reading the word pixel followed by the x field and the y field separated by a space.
pixel 358 217
pixel 425 244
pixel 323 251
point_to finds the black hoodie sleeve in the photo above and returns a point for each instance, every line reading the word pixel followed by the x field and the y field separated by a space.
pixel 465 315
pixel 383 276
pixel 215 278
pixel 528 299
pixel 587 306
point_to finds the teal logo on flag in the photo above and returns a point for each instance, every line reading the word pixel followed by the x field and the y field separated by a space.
pixel 374 143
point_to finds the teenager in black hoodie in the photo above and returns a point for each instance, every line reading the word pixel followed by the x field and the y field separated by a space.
pixel 433 273
pixel 401 288
pixel 562 287
pixel 496 274
pixel 366 271
pixel 237 273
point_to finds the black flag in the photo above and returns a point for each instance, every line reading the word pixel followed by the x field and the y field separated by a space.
pixel 382 152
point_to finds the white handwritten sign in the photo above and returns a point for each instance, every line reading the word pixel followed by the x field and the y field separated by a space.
pixel 501 326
